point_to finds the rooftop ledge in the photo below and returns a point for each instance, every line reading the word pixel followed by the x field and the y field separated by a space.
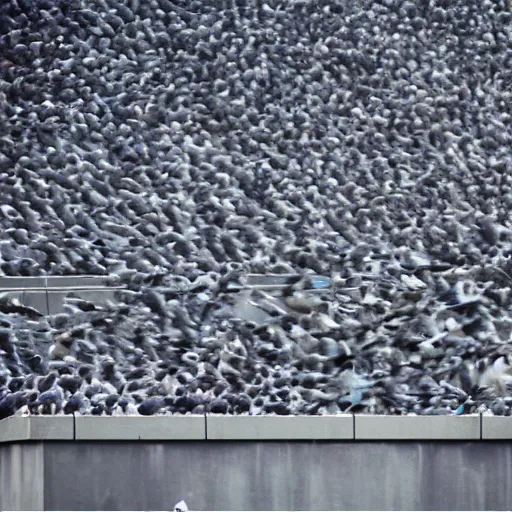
pixel 255 428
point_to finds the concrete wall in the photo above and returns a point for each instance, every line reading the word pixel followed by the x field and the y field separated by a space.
pixel 22 476
pixel 256 463
pixel 255 428
pixel 232 475
pixel 47 294
pixel 241 475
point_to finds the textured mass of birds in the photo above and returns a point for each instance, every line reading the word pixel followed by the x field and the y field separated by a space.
pixel 180 145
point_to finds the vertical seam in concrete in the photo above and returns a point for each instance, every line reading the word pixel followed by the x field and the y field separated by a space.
pixel 481 427
pixel 205 427
pixel 46 294
pixel 353 426
pixel 74 426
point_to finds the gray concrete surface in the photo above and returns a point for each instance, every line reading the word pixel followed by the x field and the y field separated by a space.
pixel 279 427
pixel 417 427
pixel 14 429
pixel 125 472
pixel 48 428
pixel 496 427
pixel 256 428
pixel 140 428
pixel 47 294
pixel 10 282
pixel 7 283
pixel 22 476
pixel 296 475
pixel 36 428
pixel 98 296
pixel 37 300
pixel 268 279
pixel 75 281
pixel 13 294
pixel 50 301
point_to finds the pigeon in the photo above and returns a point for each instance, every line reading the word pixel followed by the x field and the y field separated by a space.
pixel 181 506
pixel 182 153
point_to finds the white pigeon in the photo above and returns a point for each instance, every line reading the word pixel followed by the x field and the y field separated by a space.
pixel 181 506
pixel 497 375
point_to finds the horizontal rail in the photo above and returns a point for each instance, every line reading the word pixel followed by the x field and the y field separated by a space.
pixel 63 289
pixel 274 287
pixel 44 281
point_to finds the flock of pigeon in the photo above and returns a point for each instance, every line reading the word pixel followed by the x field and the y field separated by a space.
pixel 182 145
